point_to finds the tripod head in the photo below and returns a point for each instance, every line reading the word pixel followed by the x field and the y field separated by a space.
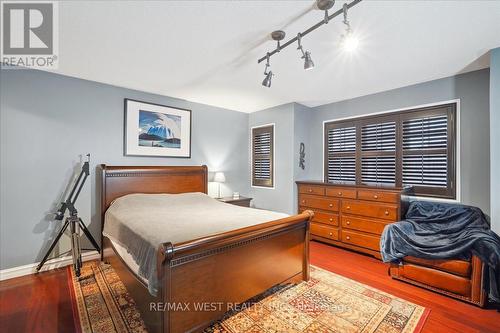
pixel 69 204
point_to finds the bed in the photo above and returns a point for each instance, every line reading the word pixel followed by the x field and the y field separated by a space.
pixel 209 274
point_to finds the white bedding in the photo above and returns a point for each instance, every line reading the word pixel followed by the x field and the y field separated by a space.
pixel 139 223
pixel 127 258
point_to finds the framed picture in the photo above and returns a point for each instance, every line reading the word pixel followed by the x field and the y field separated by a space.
pixel 156 130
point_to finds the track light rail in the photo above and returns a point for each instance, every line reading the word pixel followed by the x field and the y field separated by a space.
pixel 314 27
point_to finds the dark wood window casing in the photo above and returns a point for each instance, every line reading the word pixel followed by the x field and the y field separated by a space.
pixel 407 148
pixel 263 156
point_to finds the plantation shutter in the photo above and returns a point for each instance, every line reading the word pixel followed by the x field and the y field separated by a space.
pixel 341 153
pixel 262 156
pixel 407 148
pixel 427 152
pixel 378 152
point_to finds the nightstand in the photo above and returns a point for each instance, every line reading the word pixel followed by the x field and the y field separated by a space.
pixel 241 201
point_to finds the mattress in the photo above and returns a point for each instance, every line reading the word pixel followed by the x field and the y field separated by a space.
pixel 128 260
pixel 140 223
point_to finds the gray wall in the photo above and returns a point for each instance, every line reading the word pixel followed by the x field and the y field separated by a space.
pixel 302 114
pixel 291 128
pixel 473 91
pixel 47 120
pixel 495 138
pixel 278 198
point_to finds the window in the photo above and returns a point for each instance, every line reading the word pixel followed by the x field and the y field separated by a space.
pixel 263 156
pixel 408 148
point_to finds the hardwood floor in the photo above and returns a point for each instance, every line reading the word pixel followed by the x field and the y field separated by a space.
pixel 37 303
pixel 42 303
pixel 447 314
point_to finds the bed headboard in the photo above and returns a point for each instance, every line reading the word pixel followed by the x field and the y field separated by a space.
pixel 117 181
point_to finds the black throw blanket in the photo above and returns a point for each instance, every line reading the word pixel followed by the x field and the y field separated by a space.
pixel 435 230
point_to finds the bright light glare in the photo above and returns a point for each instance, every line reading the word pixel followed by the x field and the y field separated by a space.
pixel 350 43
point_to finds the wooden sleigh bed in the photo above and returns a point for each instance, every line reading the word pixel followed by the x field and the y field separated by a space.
pixel 219 270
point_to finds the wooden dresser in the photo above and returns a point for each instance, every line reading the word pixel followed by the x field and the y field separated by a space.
pixel 350 216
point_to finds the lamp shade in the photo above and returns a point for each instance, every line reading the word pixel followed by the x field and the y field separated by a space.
pixel 219 177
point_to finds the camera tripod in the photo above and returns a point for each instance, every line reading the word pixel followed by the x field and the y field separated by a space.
pixel 74 222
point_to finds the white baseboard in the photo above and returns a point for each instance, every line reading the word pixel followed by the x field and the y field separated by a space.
pixel 13 272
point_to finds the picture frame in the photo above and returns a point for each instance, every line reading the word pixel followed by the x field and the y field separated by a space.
pixel 156 130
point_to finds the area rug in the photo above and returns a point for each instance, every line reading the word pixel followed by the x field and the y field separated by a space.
pixel 326 303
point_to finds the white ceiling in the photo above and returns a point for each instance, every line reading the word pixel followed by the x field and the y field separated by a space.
pixel 207 51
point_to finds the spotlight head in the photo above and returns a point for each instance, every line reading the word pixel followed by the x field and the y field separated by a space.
pixel 308 63
pixel 349 42
pixel 267 79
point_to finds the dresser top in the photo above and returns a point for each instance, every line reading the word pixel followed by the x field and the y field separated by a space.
pixel 342 184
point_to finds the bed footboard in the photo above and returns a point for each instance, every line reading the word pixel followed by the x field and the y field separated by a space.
pixel 202 279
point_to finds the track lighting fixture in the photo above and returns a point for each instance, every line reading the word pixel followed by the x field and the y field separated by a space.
pixel 269 75
pixel 325 5
pixel 348 40
pixel 308 63
pixel 278 36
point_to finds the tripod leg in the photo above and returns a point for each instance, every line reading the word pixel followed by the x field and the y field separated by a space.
pixel 89 235
pixel 75 246
pixel 78 248
pixel 61 232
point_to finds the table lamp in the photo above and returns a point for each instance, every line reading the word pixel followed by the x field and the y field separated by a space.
pixel 219 178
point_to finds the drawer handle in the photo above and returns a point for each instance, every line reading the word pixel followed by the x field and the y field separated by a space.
pixel 340 193
pixel 330 205
pixel 310 190
pixel 386 212
pixel 331 233
pixel 331 219
pixel 348 222
pixel 375 196
pixel 348 207
pixel 303 201
pixel 347 237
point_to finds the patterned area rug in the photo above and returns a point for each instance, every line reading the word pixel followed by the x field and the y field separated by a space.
pixel 327 303
pixel 102 301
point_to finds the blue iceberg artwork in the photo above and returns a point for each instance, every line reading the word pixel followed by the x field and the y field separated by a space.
pixel 159 130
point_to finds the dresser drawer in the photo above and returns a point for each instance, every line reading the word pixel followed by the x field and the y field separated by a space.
pixel 364 208
pixel 325 231
pixel 319 202
pixel 312 189
pixel 341 192
pixel 355 238
pixel 362 224
pixel 327 218
pixel 323 217
pixel 380 196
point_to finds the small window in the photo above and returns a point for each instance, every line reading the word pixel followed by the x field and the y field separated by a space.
pixel 263 156
pixel 407 148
